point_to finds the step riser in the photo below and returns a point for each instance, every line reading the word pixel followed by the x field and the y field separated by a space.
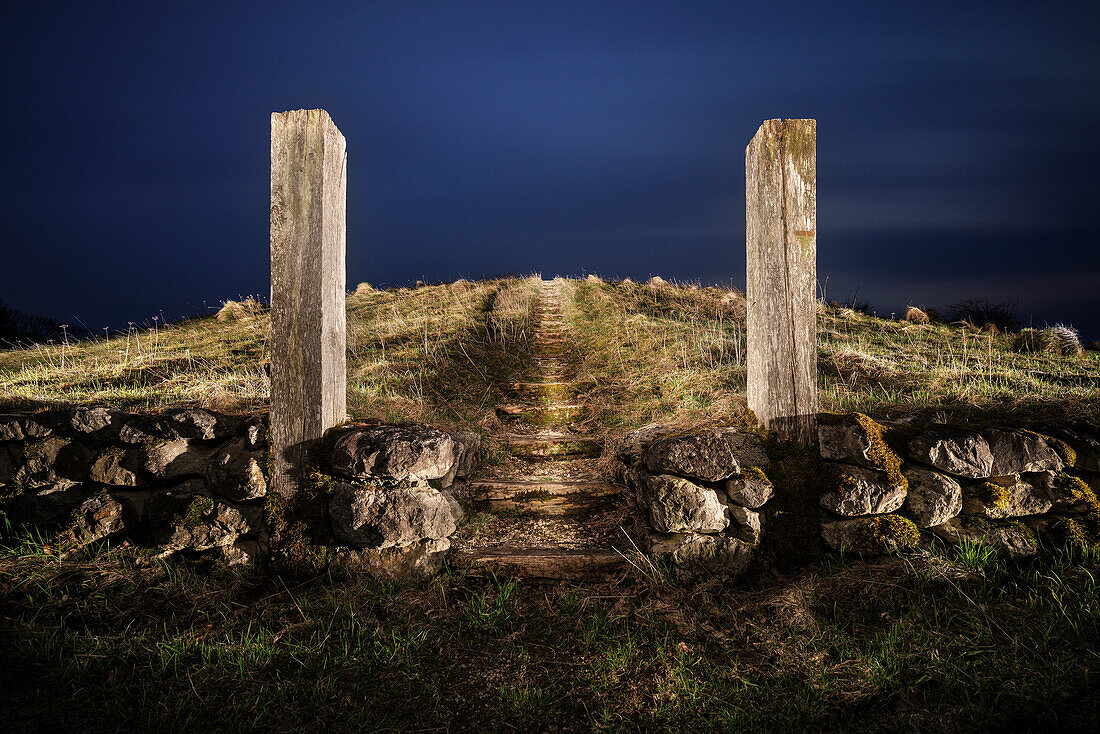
pixel 579 448
pixel 552 507
pixel 534 564
pixel 548 416
pixel 547 498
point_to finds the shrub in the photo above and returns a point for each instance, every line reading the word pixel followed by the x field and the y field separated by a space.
pixel 983 311
pixel 915 316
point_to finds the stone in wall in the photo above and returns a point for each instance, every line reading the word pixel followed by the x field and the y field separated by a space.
pixel 100 423
pixel 1085 442
pixel 422 559
pixel 952 450
pixel 749 525
pixel 1011 538
pixel 933 498
pixel 97 517
pixel 695 555
pixel 408 452
pixel 22 427
pixel 750 489
pixel 1002 497
pixel 845 439
pixel 859 491
pixel 1015 452
pixel 711 455
pixel 236 472
pixel 48 504
pixel 1067 493
pixel 631 448
pixel 386 517
pixel 873 535
pixel 678 505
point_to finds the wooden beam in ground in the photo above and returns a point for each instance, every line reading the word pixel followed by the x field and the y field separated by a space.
pixel 308 335
pixel 781 250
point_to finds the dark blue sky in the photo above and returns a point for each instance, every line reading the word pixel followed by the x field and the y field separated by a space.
pixel 958 145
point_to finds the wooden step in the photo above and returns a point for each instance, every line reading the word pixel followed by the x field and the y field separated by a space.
pixel 542 497
pixel 549 393
pixel 541 415
pixel 548 445
pixel 541 562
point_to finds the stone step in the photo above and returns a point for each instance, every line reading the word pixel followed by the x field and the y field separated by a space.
pixel 541 415
pixel 541 562
pixel 545 393
pixel 542 497
pixel 548 445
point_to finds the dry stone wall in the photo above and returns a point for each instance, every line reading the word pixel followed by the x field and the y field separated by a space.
pixel 700 496
pixel 184 480
pixel 196 481
pixel 887 486
pixel 391 494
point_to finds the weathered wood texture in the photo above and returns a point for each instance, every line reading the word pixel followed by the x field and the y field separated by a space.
pixel 550 563
pixel 781 248
pixel 308 341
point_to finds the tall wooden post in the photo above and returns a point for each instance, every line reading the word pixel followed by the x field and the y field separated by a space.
pixel 781 249
pixel 308 237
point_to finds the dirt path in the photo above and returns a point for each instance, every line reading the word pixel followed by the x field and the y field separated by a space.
pixel 545 511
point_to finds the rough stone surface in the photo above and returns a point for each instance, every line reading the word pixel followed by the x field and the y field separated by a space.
pixel 470 445
pixel 387 517
pixel 711 455
pixel 115 467
pixel 882 534
pixel 1085 441
pixel 235 472
pixel 174 459
pixel 403 452
pixel 96 518
pixel 39 461
pixel 858 491
pixel 749 524
pixel 419 560
pixel 141 429
pixel 205 425
pixel 11 457
pixel 48 504
pixel 933 498
pixel 748 490
pixel 677 505
pixel 1012 539
pixel 1066 492
pixel 210 525
pixel 1002 497
pixel 632 447
pixel 103 423
pixel 1020 451
pixel 955 451
pixel 695 555
pixel 846 441
pixel 21 427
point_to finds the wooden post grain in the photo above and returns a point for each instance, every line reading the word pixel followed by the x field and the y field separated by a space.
pixel 781 253
pixel 308 238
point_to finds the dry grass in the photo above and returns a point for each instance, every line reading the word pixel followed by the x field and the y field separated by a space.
pixel 676 354
pixel 670 353
pixel 434 353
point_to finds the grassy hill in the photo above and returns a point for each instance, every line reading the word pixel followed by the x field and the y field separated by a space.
pixel 672 353
pixel 936 639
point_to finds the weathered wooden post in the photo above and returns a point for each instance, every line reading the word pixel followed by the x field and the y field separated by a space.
pixel 781 249
pixel 308 237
